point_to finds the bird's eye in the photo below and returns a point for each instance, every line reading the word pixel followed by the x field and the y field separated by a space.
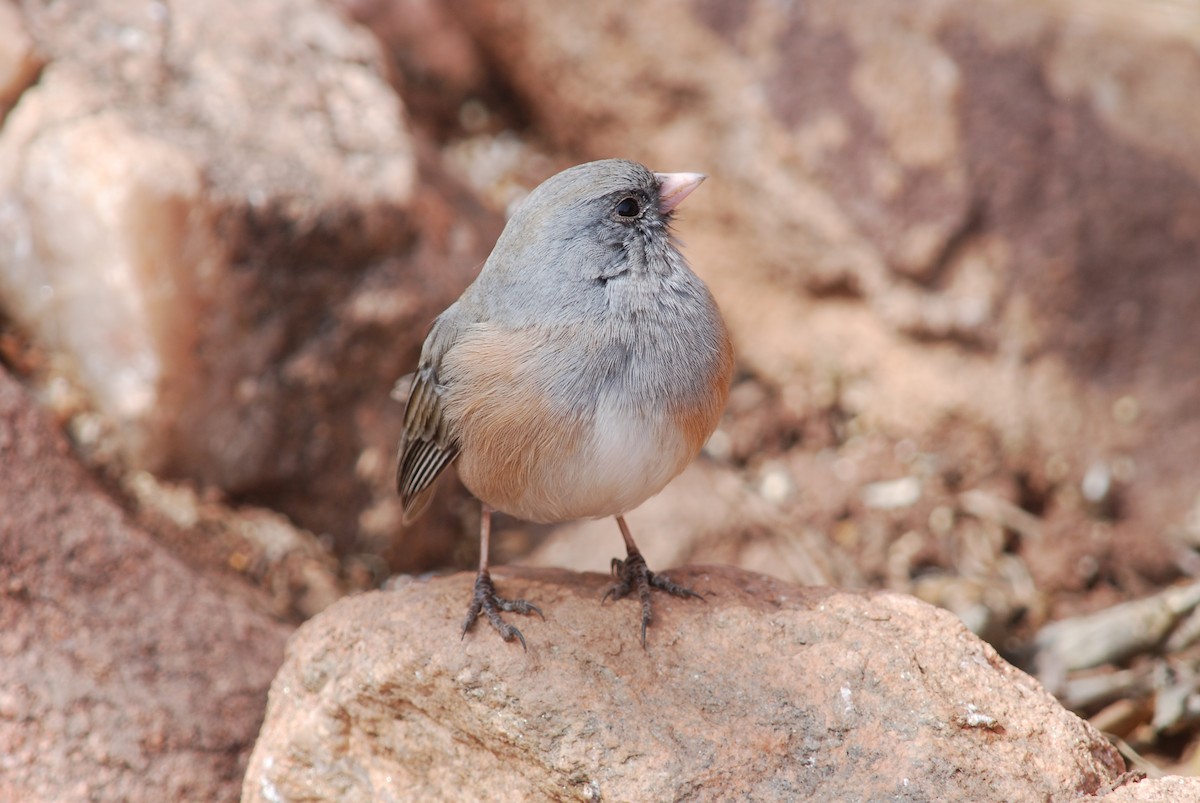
pixel 629 208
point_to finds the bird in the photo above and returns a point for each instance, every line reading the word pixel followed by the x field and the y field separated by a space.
pixel 580 372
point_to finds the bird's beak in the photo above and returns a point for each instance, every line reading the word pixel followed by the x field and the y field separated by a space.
pixel 674 187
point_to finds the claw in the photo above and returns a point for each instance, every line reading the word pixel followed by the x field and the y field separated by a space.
pixel 632 573
pixel 484 601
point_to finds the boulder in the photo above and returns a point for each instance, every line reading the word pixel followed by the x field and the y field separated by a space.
pixel 1169 789
pixel 217 213
pixel 19 61
pixel 763 691
pixel 124 674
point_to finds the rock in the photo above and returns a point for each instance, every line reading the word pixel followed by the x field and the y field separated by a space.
pixel 923 201
pixel 1171 789
pixel 766 691
pixel 438 67
pixel 293 567
pixel 218 213
pixel 19 63
pixel 123 674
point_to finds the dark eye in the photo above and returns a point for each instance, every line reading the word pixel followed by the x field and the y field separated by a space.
pixel 629 208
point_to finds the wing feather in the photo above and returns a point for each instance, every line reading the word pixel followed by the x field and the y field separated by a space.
pixel 427 444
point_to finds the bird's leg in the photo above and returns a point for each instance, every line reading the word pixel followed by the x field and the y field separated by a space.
pixel 485 601
pixel 633 573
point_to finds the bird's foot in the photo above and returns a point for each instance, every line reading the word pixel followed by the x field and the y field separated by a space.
pixel 485 601
pixel 632 573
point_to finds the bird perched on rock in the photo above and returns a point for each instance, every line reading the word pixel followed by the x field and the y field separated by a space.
pixel 580 372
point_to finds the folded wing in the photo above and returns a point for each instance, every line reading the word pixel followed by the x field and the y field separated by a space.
pixel 427 444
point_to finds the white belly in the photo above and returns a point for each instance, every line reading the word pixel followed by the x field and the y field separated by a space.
pixel 622 462
pixel 548 436
pixel 630 459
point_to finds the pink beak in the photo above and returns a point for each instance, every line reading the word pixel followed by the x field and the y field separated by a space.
pixel 674 187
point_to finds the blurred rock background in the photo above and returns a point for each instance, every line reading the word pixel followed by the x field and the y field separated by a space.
pixel 956 243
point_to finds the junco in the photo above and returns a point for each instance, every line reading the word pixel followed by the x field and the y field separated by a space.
pixel 580 373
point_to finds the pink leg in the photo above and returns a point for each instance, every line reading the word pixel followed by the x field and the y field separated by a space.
pixel 484 599
pixel 632 573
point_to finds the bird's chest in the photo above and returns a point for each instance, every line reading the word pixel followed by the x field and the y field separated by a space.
pixel 573 433
pixel 555 468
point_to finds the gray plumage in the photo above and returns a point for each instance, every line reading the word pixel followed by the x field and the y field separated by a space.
pixel 614 314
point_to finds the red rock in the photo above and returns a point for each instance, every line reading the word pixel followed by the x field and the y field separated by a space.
pixel 123 674
pixel 1171 789
pixel 218 214
pixel 766 691
pixel 19 63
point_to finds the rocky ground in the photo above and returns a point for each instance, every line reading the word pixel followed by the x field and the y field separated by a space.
pixel 955 245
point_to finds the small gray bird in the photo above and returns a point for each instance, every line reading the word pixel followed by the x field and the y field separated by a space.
pixel 579 373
